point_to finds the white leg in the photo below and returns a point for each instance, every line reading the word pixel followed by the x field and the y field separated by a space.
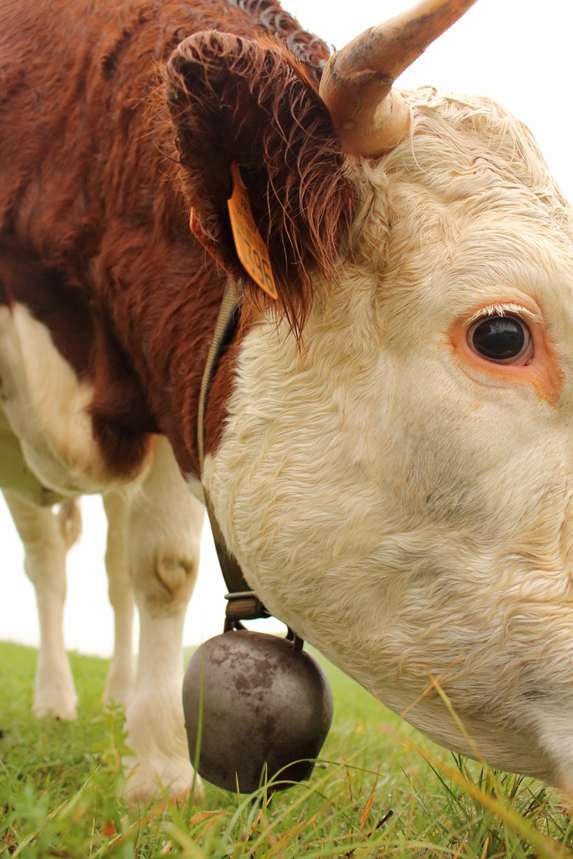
pixel 120 680
pixel 164 533
pixel 45 564
pixel 69 519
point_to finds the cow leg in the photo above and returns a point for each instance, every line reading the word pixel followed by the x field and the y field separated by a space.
pixel 121 675
pixel 164 532
pixel 45 549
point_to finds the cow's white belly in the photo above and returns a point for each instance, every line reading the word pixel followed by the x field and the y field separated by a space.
pixel 46 407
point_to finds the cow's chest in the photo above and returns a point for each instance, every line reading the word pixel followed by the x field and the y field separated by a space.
pixel 16 474
pixel 47 407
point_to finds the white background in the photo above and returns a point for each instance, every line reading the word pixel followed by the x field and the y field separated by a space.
pixel 515 51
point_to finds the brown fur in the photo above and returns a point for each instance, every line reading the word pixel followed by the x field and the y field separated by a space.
pixel 90 186
pixel 219 88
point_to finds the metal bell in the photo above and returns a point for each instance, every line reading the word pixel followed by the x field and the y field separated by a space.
pixel 258 706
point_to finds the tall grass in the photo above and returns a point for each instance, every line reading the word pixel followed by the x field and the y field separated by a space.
pixel 379 790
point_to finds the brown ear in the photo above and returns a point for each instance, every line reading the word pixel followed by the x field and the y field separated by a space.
pixel 235 100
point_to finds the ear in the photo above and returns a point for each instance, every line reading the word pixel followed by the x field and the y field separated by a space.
pixel 235 100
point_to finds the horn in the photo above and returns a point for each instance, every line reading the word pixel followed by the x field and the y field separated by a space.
pixel 357 82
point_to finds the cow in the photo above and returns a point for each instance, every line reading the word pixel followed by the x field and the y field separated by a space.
pixel 387 447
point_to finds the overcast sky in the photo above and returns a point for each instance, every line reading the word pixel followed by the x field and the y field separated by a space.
pixel 516 52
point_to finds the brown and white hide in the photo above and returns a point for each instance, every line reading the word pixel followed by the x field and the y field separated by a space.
pixel 396 488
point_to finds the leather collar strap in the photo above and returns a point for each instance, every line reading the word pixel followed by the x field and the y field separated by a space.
pixel 243 603
pixel 225 328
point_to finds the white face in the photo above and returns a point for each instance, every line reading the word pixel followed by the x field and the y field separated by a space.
pixel 399 488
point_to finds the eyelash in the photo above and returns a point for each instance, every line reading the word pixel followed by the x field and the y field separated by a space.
pixel 509 309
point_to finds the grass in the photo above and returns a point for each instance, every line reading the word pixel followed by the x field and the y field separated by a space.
pixel 379 790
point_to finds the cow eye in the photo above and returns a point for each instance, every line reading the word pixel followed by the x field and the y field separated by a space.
pixel 501 339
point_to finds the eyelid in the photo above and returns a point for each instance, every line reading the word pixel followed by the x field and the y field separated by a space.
pixel 508 309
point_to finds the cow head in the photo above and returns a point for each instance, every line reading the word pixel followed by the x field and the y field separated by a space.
pixel 395 476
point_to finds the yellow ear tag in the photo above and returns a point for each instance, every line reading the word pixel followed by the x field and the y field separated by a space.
pixel 251 249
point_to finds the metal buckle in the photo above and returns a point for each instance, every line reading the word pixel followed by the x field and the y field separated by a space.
pixel 243 605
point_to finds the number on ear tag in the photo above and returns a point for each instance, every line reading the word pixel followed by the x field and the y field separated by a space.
pixel 251 249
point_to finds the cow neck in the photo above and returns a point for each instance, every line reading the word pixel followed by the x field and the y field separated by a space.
pixel 242 602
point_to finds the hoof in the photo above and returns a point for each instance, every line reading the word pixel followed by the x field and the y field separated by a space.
pixel 153 780
pixel 56 707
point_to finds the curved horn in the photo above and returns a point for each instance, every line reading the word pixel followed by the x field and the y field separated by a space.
pixel 357 81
